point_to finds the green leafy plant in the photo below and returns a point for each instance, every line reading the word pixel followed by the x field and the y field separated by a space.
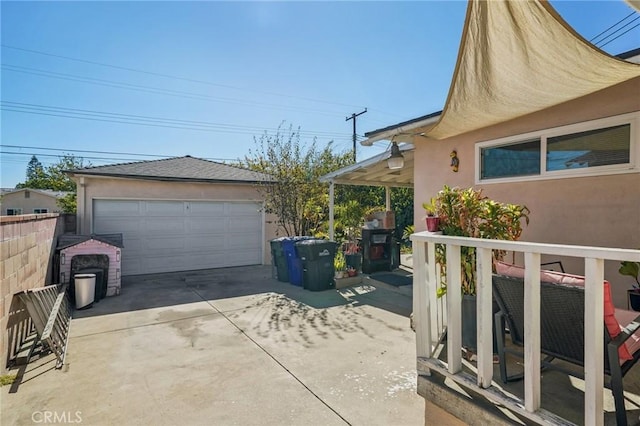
pixel 339 262
pixel 631 269
pixel 431 207
pixel 468 213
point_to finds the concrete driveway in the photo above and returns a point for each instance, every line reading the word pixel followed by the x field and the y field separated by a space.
pixel 229 347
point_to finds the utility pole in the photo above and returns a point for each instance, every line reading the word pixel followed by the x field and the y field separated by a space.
pixel 353 117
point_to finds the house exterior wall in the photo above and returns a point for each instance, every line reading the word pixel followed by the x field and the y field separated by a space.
pixel 92 188
pixel 93 247
pixel 36 200
pixel 593 210
pixel 27 246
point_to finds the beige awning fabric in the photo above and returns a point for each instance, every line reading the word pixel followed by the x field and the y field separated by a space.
pixel 518 57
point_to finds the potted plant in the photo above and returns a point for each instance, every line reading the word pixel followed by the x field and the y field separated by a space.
pixel 432 219
pixel 468 213
pixel 340 265
pixel 349 218
pixel 352 255
pixel 351 271
pixel 632 269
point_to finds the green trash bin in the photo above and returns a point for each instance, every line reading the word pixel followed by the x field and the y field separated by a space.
pixel 317 264
pixel 279 259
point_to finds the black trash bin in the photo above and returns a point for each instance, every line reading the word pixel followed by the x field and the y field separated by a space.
pixel 279 259
pixel 317 264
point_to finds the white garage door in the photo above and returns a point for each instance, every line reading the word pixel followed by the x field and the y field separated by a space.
pixel 165 236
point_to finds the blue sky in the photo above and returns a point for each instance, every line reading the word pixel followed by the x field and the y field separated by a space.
pixel 206 77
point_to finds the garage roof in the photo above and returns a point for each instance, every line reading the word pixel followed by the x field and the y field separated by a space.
pixel 185 168
pixel 375 172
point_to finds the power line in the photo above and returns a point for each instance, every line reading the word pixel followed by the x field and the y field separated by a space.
pixel 149 121
pixel 191 80
pixel 154 90
pixel 620 35
pixel 593 39
pixel 101 152
pixel 618 30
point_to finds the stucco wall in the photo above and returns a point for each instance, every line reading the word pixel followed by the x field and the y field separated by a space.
pixel 36 200
pixel 27 246
pixel 114 188
pixel 597 210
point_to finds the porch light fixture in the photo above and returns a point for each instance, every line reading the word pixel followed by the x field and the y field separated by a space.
pixel 396 160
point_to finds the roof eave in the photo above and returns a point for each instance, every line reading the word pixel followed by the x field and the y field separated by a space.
pixel 165 178
pixel 406 128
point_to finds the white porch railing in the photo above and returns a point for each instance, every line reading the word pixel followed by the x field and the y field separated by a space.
pixel 432 316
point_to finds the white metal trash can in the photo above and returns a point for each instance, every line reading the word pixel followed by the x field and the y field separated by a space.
pixel 85 290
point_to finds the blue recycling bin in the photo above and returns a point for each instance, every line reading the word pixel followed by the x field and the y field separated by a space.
pixel 294 263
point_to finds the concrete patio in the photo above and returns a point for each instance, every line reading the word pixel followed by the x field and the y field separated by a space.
pixel 230 346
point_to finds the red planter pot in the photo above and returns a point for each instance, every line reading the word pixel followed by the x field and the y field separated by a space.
pixel 433 222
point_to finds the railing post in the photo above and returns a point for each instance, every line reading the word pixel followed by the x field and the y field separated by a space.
pixel 532 331
pixel 454 309
pixel 485 317
pixel 594 336
pixel 432 293
pixel 421 307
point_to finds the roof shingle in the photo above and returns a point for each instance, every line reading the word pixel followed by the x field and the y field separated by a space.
pixel 185 168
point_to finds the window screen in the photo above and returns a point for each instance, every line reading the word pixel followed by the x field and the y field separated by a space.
pixel 601 147
pixel 521 159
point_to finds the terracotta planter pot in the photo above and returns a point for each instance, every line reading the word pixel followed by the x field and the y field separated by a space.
pixel 433 222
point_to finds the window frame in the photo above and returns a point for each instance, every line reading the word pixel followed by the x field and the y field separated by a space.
pixel 633 166
pixel 13 209
pixel 40 212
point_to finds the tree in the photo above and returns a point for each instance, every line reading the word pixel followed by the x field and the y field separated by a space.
pixel 58 179
pixel 55 178
pixel 36 177
pixel 290 187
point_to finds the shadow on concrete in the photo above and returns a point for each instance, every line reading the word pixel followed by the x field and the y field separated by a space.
pixel 162 290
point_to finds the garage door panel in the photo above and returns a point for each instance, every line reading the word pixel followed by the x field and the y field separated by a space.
pixel 164 208
pixel 207 225
pixel 164 226
pixel 164 244
pixel 244 224
pixel 207 209
pixel 244 240
pixel 119 207
pixel 208 242
pixel 250 209
pixel 118 225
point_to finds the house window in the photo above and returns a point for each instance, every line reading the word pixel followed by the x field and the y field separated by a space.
pixel 519 159
pixel 27 194
pixel 37 211
pixel 14 211
pixel 594 148
pixel 605 146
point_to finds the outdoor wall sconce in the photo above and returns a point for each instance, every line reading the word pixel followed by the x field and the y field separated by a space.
pixel 454 160
pixel 396 160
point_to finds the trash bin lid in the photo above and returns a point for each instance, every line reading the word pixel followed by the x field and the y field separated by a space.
pixel 314 249
pixel 84 276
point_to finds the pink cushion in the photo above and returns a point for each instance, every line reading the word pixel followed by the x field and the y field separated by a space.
pixel 612 324
pixel 625 318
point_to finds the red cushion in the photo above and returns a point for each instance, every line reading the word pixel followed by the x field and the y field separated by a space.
pixel 610 321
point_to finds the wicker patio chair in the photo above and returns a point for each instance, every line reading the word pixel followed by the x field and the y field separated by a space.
pixel 562 332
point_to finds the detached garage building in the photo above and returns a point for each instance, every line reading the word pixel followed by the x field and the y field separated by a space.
pixel 176 214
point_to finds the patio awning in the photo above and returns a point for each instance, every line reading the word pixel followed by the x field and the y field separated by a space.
pixel 519 57
pixel 375 172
